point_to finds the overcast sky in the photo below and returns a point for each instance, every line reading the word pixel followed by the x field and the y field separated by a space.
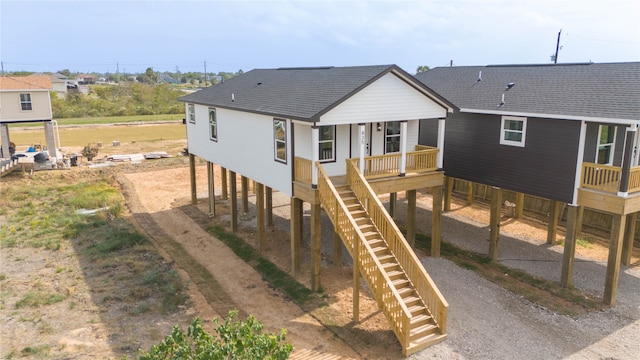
pixel 110 36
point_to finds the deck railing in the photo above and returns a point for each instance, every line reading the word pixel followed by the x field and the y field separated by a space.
pixel 607 178
pixel 398 245
pixel 423 159
pixel 376 278
pixel 302 170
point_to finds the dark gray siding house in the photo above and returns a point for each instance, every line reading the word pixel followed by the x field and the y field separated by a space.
pixel 545 107
pixel 564 132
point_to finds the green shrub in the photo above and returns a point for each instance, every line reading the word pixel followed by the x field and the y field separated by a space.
pixel 234 340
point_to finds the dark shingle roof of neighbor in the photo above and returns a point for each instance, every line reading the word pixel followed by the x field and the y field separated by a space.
pixel 589 90
pixel 297 93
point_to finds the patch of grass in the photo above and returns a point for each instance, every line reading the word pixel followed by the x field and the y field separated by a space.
pixel 297 292
pixel 38 350
pixel 535 289
pixel 36 299
pixel 117 236
pixel 169 283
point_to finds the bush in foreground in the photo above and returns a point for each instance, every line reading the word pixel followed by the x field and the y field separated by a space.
pixel 234 340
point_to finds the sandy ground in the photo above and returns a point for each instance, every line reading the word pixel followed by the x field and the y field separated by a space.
pixel 485 321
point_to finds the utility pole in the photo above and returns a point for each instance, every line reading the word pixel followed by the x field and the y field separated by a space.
pixel 2 65
pixel 555 57
pixel 205 73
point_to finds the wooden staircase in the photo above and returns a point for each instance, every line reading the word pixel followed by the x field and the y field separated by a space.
pixel 404 291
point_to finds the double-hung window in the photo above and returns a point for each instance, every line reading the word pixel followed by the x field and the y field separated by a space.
pixel 392 137
pixel 213 125
pixel 192 113
pixel 513 130
pixel 606 141
pixel 280 140
pixel 327 143
pixel 25 102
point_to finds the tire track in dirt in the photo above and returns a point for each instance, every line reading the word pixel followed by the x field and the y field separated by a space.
pixel 207 285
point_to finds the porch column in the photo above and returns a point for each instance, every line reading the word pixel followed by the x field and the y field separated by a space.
pixel 436 220
pixel 579 161
pixel 569 253
pixel 260 216
pixel 315 155
pixel 448 190
pixel 393 200
pixel 192 177
pixel 626 161
pixel 519 205
pixel 316 246
pixel 4 139
pixel 552 229
pixel 403 147
pixel 234 201
pixel 224 185
pixel 440 143
pixel 494 234
pixel 245 193
pixel 269 205
pixel 411 217
pixel 363 144
pixel 469 193
pixel 212 192
pixel 613 262
pixel 630 231
pixel 296 234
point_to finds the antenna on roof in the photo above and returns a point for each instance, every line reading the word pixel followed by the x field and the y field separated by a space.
pixel 558 47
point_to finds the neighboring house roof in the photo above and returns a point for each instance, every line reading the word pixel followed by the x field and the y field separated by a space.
pixel 20 83
pixel 587 91
pixel 298 93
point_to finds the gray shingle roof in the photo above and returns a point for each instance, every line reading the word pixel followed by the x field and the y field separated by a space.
pixel 297 93
pixel 605 91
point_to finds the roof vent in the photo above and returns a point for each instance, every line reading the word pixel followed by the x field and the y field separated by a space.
pixel 510 85
pixel 479 75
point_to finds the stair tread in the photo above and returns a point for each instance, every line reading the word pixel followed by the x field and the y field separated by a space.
pixel 424 342
pixel 428 327
pixel 420 318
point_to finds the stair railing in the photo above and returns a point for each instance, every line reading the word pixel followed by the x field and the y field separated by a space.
pixel 399 246
pixel 370 267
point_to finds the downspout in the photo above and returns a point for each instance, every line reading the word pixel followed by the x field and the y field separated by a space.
pixel 579 161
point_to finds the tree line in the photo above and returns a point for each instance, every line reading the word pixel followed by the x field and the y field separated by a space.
pixel 119 100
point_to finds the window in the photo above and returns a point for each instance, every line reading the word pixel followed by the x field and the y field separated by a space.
pixel 513 131
pixel 392 137
pixel 280 140
pixel 606 139
pixel 25 102
pixel 213 125
pixel 327 143
pixel 192 113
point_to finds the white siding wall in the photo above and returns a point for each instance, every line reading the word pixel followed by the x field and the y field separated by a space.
pixel 10 109
pixel 245 145
pixel 387 99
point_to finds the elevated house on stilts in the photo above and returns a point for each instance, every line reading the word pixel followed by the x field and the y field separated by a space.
pixel 565 132
pixel 336 138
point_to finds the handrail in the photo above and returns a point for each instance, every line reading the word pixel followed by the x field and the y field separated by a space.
pixel 397 243
pixel 302 170
pixel 378 281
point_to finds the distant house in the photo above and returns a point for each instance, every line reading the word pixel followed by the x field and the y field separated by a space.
pixel 59 83
pixel 25 99
pixel 86 79
pixel 335 137
pixel 565 132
